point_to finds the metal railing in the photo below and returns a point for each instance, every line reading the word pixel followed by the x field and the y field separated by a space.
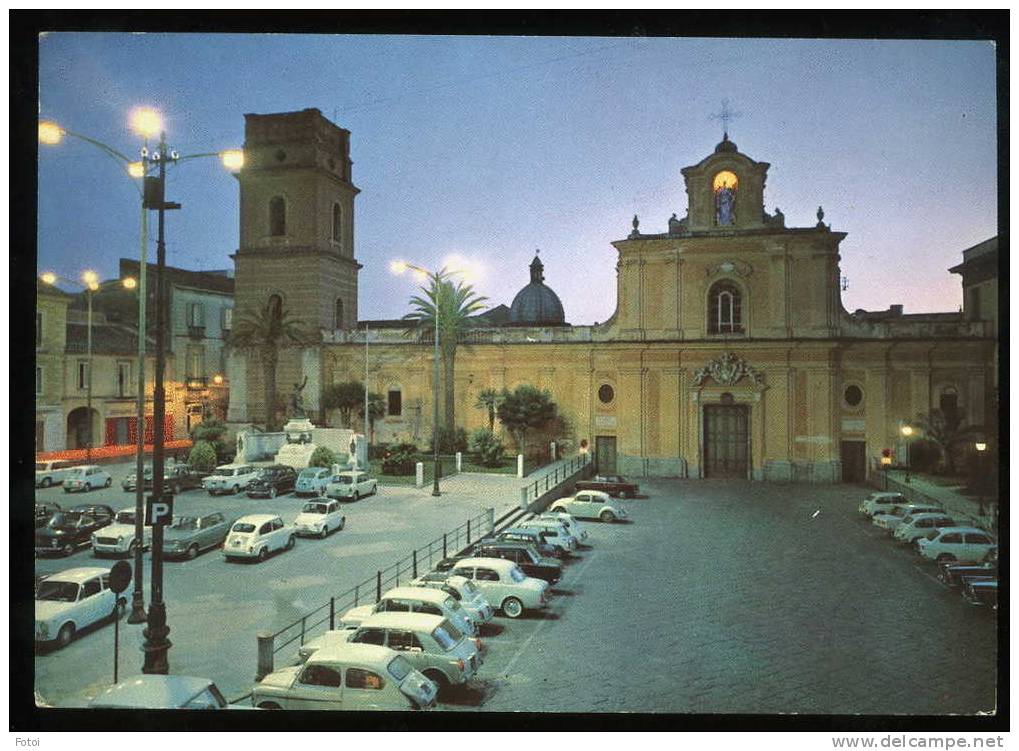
pixel 551 480
pixel 369 591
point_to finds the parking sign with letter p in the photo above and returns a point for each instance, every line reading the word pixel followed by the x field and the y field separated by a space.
pixel 159 512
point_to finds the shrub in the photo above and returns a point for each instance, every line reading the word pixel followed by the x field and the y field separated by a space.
pixel 202 456
pixel 377 450
pixel 487 448
pixel 214 432
pixel 450 441
pixel 924 456
pixel 400 459
pixel 323 457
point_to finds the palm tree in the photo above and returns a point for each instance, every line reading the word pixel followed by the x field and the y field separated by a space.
pixel 263 332
pixel 946 431
pixel 454 301
pixel 488 400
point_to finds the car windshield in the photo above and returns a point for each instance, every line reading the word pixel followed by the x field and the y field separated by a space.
pixel 57 591
pixel 223 473
pixel 400 667
pixel 79 471
pixel 125 517
pixel 314 508
pixel 447 635
pixel 310 474
pixel 343 479
pixel 185 522
pixel 40 466
pixel 517 575
pixel 244 527
pixel 470 588
pixel 451 604
pixel 451 591
pixel 64 519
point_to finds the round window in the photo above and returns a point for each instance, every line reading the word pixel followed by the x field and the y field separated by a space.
pixel 853 395
pixel 606 393
pixel 280 155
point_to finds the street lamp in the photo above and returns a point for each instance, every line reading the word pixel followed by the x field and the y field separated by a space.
pixel 907 432
pixel 981 447
pixel 398 267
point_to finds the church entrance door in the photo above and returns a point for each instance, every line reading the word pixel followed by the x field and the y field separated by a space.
pixel 726 440
pixel 605 454
pixel 854 461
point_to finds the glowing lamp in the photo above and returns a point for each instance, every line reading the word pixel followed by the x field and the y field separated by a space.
pixel 50 133
pixel 136 169
pixel 232 159
pixel 48 277
pixel 146 122
pixel 129 282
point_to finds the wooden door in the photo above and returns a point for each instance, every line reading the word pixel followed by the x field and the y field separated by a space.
pixel 726 440
pixel 605 454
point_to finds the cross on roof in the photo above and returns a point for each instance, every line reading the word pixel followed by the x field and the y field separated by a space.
pixel 725 116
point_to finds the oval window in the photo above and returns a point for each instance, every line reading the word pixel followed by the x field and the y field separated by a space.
pixel 853 395
pixel 606 393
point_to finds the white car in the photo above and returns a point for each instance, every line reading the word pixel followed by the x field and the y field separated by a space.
pixel 86 478
pixel 67 602
pixel 504 585
pixel 572 525
pixel 319 518
pixel 554 533
pixel 460 588
pixel 352 485
pixel 962 544
pixel 415 600
pixel 258 535
pixel 347 676
pixel 229 478
pixel 877 503
pixel 915 526
pixel 891 520
pixel 312 481
pixel 590 504
pixel 51 473
pixel 163 692
pixel 118 538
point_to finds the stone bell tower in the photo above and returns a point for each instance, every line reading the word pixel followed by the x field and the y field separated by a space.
pixel 296 249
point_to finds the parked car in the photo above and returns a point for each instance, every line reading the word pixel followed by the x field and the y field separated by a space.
pixel 572 525
pixel 431 643
pixel 272 481
pixel 532 537
pixel 522 554
pixel 72 600
pixel 881 502
pixel 554 533
pixel 347 676
pixel 86 478
pixel 461 589
pixel 312 481
pixel 118 538
pixel 258 535
pixel 163 692
pixel 319 518
pixel 981 592
pixel 891 520
pixel 916 526
pixel 66 531
pixel 44 511
pixel 176 478
pixel 611 484
pixel 415 600
pixel 590 504
pixel 953 574
pixel 229 478
pixel 504 585
pixel 52 472
pixel 351 485
pixel 963 544
pixel 187 536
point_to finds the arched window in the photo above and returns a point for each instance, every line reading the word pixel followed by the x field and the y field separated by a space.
pixel 275 307
pixel 725 186
pixel 338 314
pixel 277 216
pixel 337 222
pixel 725 315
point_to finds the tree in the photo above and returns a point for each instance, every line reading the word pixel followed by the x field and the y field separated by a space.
pixel 526 408
pixel 212 431
pixel 488 400
pixel 346 397
pixel 202 457
pixel 487 447
pixel 947 431
pixel 263 333
pixel 322 457
pixel 453 302
pixel 376 411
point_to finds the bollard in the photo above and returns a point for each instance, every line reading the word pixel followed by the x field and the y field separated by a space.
pixel 459 461
pixel 520 465
pixel 444 554
pixel 523 497
pixel 414 562
pixel 265 646
pixel 378 586
pixel 419 475
pixel 332 613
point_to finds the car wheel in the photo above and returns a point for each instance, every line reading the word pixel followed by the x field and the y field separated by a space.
pixel 67 490
pixel 269 705
pixel 290 542
pixel 272 491
pixel 357 496
pixel 65 634
pixel 88 487
pixel 263 554
pixel 375 489
pixel 109 482
pixel 325 532
pixel 607 517
pixel 512 607
pixel 192 551
pixel 67 550
pixel 343 521
pixel 46 482
pixel 237 489
pixel 945 557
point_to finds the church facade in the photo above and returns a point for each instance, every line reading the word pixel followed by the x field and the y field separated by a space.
pixel 729 353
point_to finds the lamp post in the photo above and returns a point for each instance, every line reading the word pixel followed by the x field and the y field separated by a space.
pixel 907 432
pixel 981 447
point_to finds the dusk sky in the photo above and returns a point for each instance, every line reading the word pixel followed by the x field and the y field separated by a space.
pixel 490 147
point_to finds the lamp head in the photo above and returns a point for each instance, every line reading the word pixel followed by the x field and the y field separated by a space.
pixel 50 133
pixel 90 279
pixel 233 159
pixel 146 122
pixel 129 282
pixel 981 446
pixel 217 379
pixel 907 430
pixel 397 267
pixel 136 169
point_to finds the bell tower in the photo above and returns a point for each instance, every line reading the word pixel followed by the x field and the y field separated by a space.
pixel 726 190
pixel 297 220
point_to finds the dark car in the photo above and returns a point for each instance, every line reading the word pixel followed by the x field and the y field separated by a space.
pixel 524 555
pixel 532 537
pixel 189 535
pixel 175 479
pixel 615 485
pixel 272 481
pixel 43 511
pixel 67 530
pixel 981 592
pixel 955 574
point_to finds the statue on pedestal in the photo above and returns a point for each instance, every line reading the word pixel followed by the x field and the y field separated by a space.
pixel 296 400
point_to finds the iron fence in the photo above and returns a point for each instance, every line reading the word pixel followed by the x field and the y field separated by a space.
pixel 551 480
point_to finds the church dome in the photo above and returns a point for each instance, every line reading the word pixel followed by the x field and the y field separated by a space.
pixel 725 145
pixel 536 304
